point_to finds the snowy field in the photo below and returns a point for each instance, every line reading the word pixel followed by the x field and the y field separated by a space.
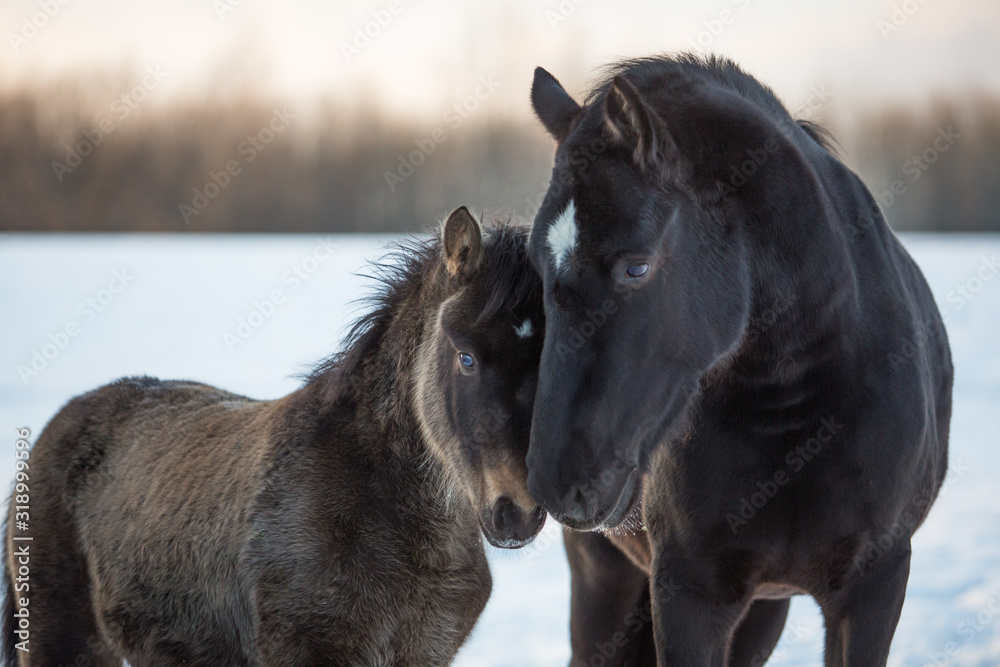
pixel 171 306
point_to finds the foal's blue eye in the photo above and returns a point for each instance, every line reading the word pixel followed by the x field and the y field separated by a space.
pixel 636 270
pixel 466 359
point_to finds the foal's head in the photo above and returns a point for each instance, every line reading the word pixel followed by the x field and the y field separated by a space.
pixel 476 371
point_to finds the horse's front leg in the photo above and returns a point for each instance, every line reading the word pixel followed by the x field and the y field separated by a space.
pixel 758 633
pixel 692 627
pixel 610 615
pixel 861 619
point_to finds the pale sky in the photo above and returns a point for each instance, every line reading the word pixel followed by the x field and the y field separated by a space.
pixel 431 53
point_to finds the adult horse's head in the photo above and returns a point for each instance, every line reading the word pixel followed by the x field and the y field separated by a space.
pixel 641 245
pixel 476 371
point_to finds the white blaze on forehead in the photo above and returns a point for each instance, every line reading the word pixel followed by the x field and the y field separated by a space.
pixel 562 235
pixel 525 330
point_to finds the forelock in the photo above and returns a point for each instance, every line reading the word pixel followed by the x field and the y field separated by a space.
pixel 510 279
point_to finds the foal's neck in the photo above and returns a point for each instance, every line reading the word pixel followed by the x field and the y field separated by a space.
pixel 374 377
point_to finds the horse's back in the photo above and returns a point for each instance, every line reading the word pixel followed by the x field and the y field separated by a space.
pixel 148 482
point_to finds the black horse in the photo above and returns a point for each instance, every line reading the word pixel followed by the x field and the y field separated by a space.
pixel 175 523
pixel 738 350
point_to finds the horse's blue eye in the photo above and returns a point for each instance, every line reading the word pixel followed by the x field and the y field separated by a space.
pixel 466 359
pixel 637 270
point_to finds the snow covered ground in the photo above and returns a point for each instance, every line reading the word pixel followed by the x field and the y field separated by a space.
pixel 89 309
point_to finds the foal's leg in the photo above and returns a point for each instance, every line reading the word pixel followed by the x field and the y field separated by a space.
pixel 63 627
pixel 861 620
pixel 609 613
pixel 758 633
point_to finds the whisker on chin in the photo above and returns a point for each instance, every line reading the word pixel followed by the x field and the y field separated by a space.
pixel 632 524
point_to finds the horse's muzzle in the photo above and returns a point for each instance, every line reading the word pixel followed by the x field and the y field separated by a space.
pixel 598 504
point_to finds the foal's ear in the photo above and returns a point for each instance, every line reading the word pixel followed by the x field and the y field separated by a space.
pixel 463 243
pixel 553 105
pixel 631 123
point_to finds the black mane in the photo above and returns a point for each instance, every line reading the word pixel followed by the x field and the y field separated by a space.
pixel 510 280
pixel 402 272
pixel 666 71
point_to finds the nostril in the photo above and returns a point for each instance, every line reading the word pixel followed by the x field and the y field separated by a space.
pixel 505 515
pixel 574 496
pixel 576 504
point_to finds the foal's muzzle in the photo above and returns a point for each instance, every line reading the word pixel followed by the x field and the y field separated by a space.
pixel 510 527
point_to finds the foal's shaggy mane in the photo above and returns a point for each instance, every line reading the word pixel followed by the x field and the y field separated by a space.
pixel 397 274
pixel 402 272
pixel 663 72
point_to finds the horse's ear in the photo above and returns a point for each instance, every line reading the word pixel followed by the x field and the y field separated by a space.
pixel 553 105
pixel 631 123
pixel 463 243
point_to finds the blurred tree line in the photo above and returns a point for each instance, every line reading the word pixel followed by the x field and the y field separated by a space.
pixel 73 158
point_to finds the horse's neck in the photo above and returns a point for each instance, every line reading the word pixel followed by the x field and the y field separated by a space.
pixel 804 307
